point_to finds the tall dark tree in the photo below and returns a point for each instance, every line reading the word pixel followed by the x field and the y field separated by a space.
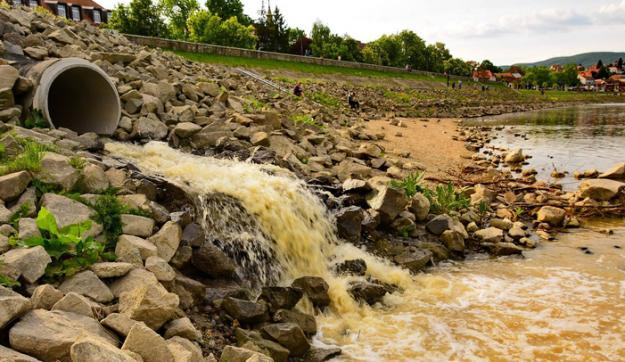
pixel 140 17
pixel 600 64
pixel 619 64
pixel 272 31
pixel 226 9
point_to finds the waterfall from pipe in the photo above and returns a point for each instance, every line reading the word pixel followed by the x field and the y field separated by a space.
pixel 262 216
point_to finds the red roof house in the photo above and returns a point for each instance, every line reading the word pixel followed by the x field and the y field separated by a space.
pixel 77 10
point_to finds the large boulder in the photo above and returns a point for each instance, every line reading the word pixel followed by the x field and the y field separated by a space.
pixel 151 304
pixel 213 262
pixel 315 288
pixel 388 201
pixel 12 306
pixel 45 296
pixel 554 216
pixel 88 284
pixel 8 76
pixel 76 303
pixel 167 240
pixel 305 321
pixel 13 185
pixel 69 212
pixel 289 335
pixel 57 169
pixel 489 235
pixel 49 336
pixel 349 223
pixel 281 297
pixel 615 173
pixel 90 349
pixel 148 344
pixel 29 264
pixel 245 311
pixel 370 293
pixel 600 189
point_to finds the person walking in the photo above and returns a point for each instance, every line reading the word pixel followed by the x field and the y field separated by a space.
pixel 353 103
pixel 298 91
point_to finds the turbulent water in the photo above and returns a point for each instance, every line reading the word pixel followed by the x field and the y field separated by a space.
pixel 559 303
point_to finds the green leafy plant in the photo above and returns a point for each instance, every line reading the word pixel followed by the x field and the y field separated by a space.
pixel 8 282
pixel 445 199
pixel 411 183
pixel 36 120
pixel 78 163
pixel 252 105
pixel 23 211
pixel 518 212
pixel 108 212
pixel 307 120
pixel 44 187
pixel 324 99
pixel 71 251
pixel 28 160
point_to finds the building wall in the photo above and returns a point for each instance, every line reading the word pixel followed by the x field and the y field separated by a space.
pixel 248 53
pixel 85 14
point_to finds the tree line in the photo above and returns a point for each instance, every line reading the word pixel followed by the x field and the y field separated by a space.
pixel 223 22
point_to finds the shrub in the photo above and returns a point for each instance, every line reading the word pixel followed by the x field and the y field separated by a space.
pixel 36 119
pixel 108 212
pixel 69 249
pixel 78 163
pixel 445 199
pixel 411 183
pixel 28 160
pixel 252 105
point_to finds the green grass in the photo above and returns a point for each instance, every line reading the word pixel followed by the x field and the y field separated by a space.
pixel 300 67
pixel 324 99
pixel 399 97
pixel 306 120
pixel 28 160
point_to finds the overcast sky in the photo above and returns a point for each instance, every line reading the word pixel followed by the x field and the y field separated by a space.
pixel 505 32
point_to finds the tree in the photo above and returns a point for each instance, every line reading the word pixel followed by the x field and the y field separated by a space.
pixel 178 12
pixel 226 9
pixel 205 27
pixel 619 64
pixel 538 76
pixel 140 17
pixel 567 77
pixel 488 65
pixel 457 66
pixel 272 32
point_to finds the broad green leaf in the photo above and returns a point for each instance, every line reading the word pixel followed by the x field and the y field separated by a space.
pixel 46 221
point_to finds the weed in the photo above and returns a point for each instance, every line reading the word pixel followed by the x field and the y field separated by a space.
pixel 445 199
pixel 307 120
pixel 28 160
pixel 78 163
pixel 23 211
pixel 7 281
pixel 325 99
pixel 71 251
pixel 252 105
pixel 411 184
pixel 108 212
pixel 518 212
pixel 42 188
pixel 36 120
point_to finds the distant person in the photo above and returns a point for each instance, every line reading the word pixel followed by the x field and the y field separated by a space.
pixel 408 68
pixel 298 91
pixel 542 91
pixel 448 78
pixel 453 85
pixel 483 88
pixel 460 84
pixel 338 58
pixel 353 103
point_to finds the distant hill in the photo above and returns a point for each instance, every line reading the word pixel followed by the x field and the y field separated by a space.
pixel 585 59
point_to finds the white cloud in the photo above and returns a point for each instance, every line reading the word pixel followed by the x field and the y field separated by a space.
pixel 612 13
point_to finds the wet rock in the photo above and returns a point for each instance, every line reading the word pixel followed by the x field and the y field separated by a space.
pixel 45 296
pixel 281 297
pixel 90 349
pixel 237 354
pixel 88 284
pixel 440 223
pixel 617 172
pixel 419 206
pixel 389 202
pixel 517 233
pixel 253 341
pixel 56 169
pixel 289 335
pixel 151 304
pixel 489 235
pixel 515 156
pixel 370 293
pixel 413 260
pixel 162 271
pixel 29 264
pixel 503 224
pixel 13 185
pixel 167 240
pixel 245 311
pixel 315 288
pixel 453 241
pixel 49 336
pixel 305 321
pixel 193 234
pixel 148 344
pixel 12 306
pixel 349 223
pixel 182 327
pixel 316 354
pixel 505 249
pixel 554 216
pixel 600 189
pixel 352 267
pixel 213 262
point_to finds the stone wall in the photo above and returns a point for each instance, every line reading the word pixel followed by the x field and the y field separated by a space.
pixel 248 53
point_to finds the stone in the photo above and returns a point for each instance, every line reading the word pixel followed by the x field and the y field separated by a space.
pixel 184 350
pixel 37 53
pixel 162 90
pixel 349 223
pixel 9 355
pixel 389 202
pixel 12 306
pixel 13 185
pixel 6 98
pixel 419 206
pixel 370 293
pixel 245 311
pixel 600 189
pixel 316 354
pixel 117 178
pixel 193 234
pixel 503 224
pixel 111 269
pixel 134 250
pixel 355 185
pixel 260 139
pixel 617 172
pixel 148 344
pixel 211 89
pixel 88 284
pixel 482 194
pixel 134 279
pixel 315 288
pixel 352 267
pixel 75 303
pixel 186 129
pixel 517 233
pixel 137 225
pixel 69 212
pixel 182 327
pixel 554 216
pixel 213 262
pixel 167 240
pixel 162 271
pixel 136 201
pixel 149 128
pixel 8 76
pixel 151 304
pixel 64 35
pixel 94 179
pixel 28 228
pixel 49 335
pixel 440 223
pixel 305 321
pixel 29 264
pixel 490 235
pixel 281 297
pixel 90 349
pixel 453 241
pixel 515 156
pixel 56 169
pixel 369 150
pixel 414 260
pixel 45 296
pixel 506 249
pixel 28 200
pixel 237 354
pixel 289 335
pixel 120 323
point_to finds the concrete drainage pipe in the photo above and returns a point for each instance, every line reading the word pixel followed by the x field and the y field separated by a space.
pixel 76 94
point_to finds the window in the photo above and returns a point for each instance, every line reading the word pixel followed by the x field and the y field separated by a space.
pixel 75 13
pixel 60 10
pixel 33 3
pixel 96 16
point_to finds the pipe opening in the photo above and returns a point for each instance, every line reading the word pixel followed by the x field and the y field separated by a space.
pixel 83 100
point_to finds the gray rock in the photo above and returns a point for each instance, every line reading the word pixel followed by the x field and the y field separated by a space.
pixel 245 311
pixel 419 206
pixel 94 178
pixel 490 235
pixel 600 189
pixel 75 303
pixel 88 284
pixel 137 225
pixel 151 304
pixel 28 228
pixel 149 128
pixel 349 223
pixel 12 306
pixel 554 216
pixel 69 212
pixel 8 76
pixel 13 184
pixel 160 268
pixel 134 250
pixel 316 354
pixel 30 264
pixel 370 293
pixel 193 234
pixel 167 240
pixel 56 169
pixel 281 297
pixel 289 335
pixel 120 323
pixel 45 296
pixel 182 327
pixel 305 321
pixel 186 129
pixel 9 355
pixel 389 202
pixel 148 344
pixel 414 260
pixel 440 223
pixel 315 288
pixel 186 351
pixel 453 241
pixel 237 354
pixel 90 349
pixel 134 279
pixel 213 262
pixel 111 269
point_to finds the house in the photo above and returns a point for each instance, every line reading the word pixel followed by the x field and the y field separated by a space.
pixel 556 68
pixel 77 10
pixel 586 80
pixel 510 78
pixel 484 76
pixel 615 83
